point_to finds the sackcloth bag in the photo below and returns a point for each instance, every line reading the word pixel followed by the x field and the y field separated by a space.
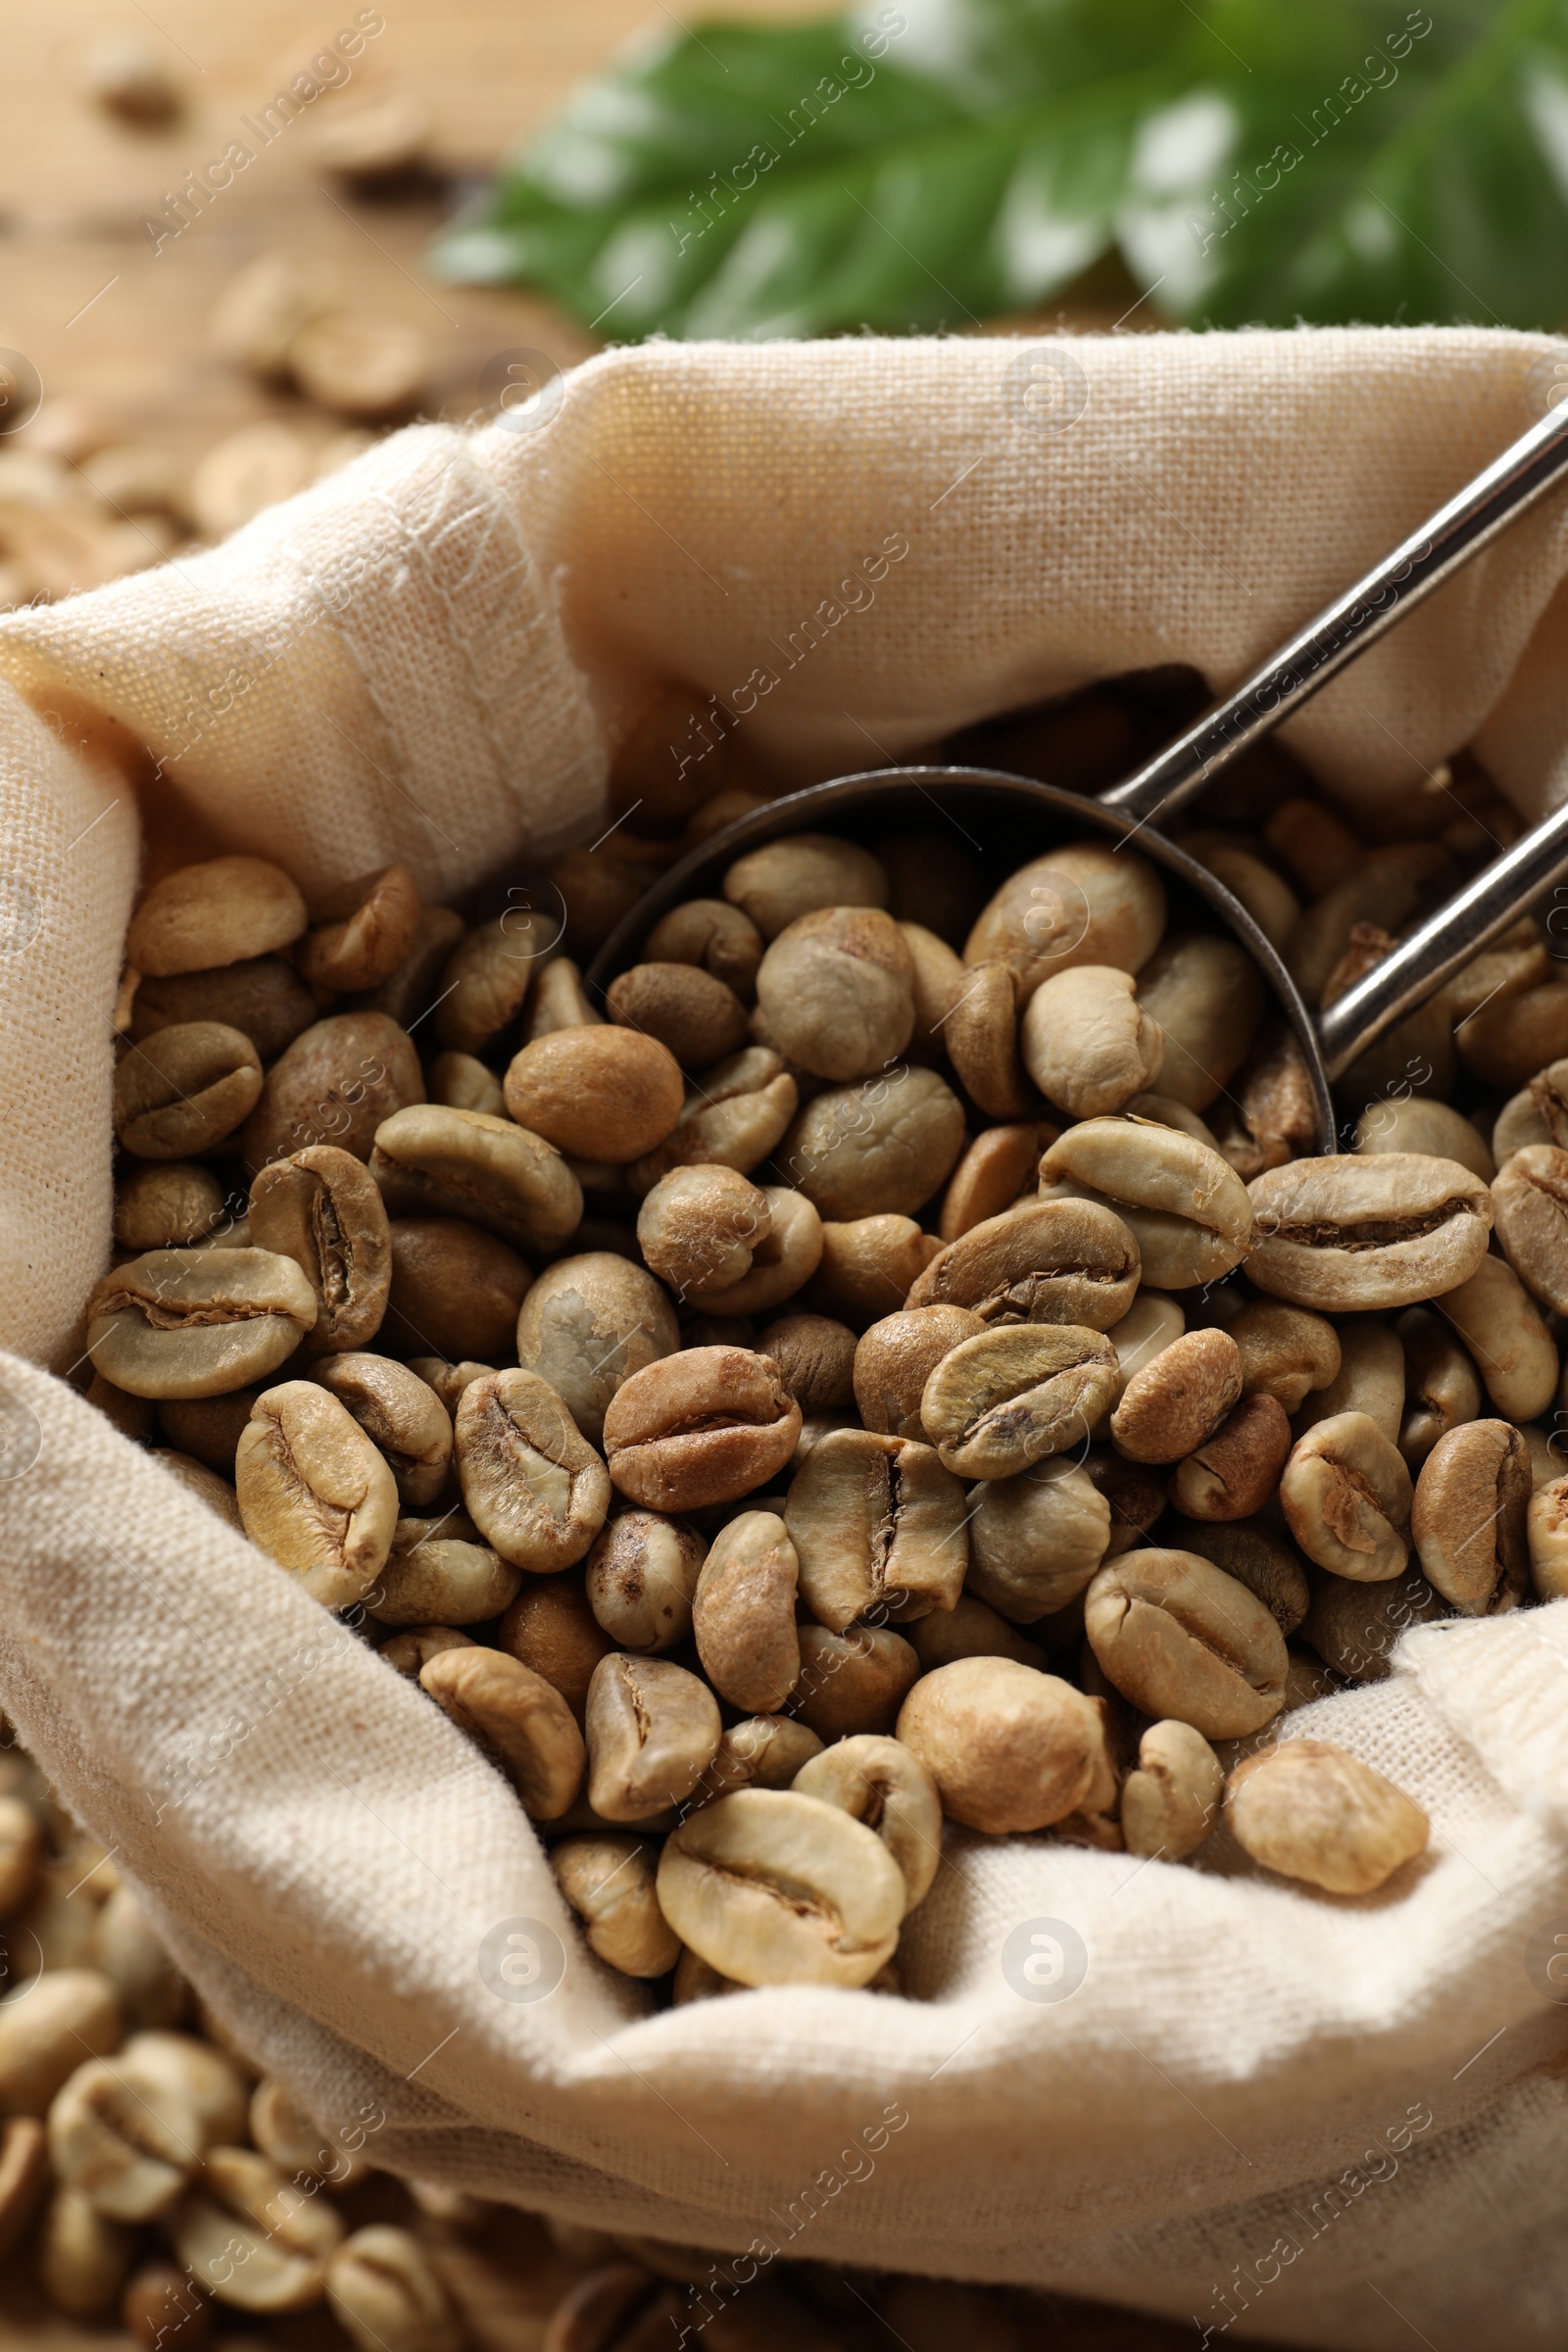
pixel 1316 2121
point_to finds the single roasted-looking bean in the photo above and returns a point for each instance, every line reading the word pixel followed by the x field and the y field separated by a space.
pixel 587 1325
pixel 770 1886
pixel 1046 1262
pixel 1180 1399
pixel 815 1359
pixel 551 1627
pixel 713 935
pixel 315 1493
pixel 777 884
pixel 385 2295
pixel 1035 1541
pixel 167 1205
pixel 1234 1473
pixel 184 1090
pixel 1205 996
pixel 263 998
pixel 1469 1517
pixel 534 1485
pixel 336 1082
pixel 702 1427
pixel 217 912
pixel 1187 1211
pixel 979 1032
pixel 851 1681
pixel 835 989
pixel 1433 1129
pixel 599 1094
pixel 322 1208
pixel 875 1520
pixel 1178 1636
pixel 1170 1804
pixel 486 979
pixel 697 1018
pixel 197 1322
pixel 520 1720
pixel 895 1359
pixel 1256 1558
pixel 742 1613
pixel 1007 1397
pixel 868 1267
pixel 883 1783
pixel 432 1162
pixel 1530 1201
pixel 609 1882
pixel 1087 1041
pixel 1286 1353
pixel 998 1168
pixel 641 1575
pixel 1085 902
pixel 128 2143
pixel 454 1292
pixel 362 930
pixel 1442 1388
pixel 1313 1811
pixel 437 1573
pixel 653 1730
pixel 732 1119
pixel 1502 1327
pixel 1345 1493
pixel 399 1413
pixel 1341 1232
pixel 1010 1750
pixel 882 1147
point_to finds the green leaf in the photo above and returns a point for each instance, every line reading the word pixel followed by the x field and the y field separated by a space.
pixel 936 162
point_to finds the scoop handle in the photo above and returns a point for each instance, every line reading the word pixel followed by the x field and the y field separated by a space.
pixel 1433 553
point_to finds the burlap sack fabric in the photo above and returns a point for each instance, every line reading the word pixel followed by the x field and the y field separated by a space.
pixel 1344 2119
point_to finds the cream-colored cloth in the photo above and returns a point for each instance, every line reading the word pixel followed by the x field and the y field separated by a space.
pixel 1331 2121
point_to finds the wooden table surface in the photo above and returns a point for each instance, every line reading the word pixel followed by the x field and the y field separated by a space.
pixel 98 312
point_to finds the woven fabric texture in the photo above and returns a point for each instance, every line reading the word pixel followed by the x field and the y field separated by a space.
pixel 1312 2120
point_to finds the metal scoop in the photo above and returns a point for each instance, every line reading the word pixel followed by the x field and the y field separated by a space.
pixel 1020 818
